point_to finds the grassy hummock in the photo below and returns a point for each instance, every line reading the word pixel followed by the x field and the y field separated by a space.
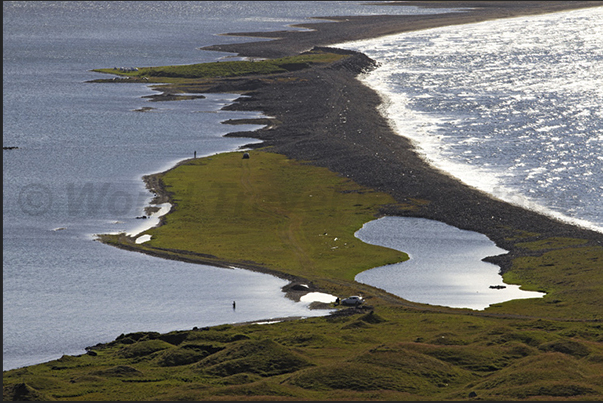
pixel 390 354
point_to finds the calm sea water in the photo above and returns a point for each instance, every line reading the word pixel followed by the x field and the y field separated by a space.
pixel 82 152
pixel 512 107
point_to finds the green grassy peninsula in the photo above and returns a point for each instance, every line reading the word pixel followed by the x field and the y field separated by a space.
pixel 193 73
pixel 328 165
pixel 269 212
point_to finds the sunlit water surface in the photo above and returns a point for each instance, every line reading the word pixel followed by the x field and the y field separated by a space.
pixel 512 106
pixel 445 265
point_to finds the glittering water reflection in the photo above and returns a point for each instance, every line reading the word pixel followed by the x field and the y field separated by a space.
pixel 511 107
pixel 445 266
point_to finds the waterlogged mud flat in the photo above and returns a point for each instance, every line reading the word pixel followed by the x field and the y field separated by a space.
pixel 445 265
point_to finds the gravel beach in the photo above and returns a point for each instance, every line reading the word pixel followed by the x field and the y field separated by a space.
pixel 329 118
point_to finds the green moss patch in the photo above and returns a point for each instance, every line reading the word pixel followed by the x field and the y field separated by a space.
pixel 264 358
pixel 552 243
pixel 348 376
pixel 118 371
pixel 143 348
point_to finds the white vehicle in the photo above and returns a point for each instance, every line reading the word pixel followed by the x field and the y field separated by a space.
pixel 353 300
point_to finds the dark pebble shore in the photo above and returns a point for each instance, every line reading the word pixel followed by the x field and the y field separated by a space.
pixel 327 117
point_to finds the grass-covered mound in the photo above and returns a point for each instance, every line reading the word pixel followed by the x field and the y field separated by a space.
pixel 396 355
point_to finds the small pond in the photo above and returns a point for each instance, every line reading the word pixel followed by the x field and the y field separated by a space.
pixel 445 266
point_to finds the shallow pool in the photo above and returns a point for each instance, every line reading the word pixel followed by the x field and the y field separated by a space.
pixel 445 266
